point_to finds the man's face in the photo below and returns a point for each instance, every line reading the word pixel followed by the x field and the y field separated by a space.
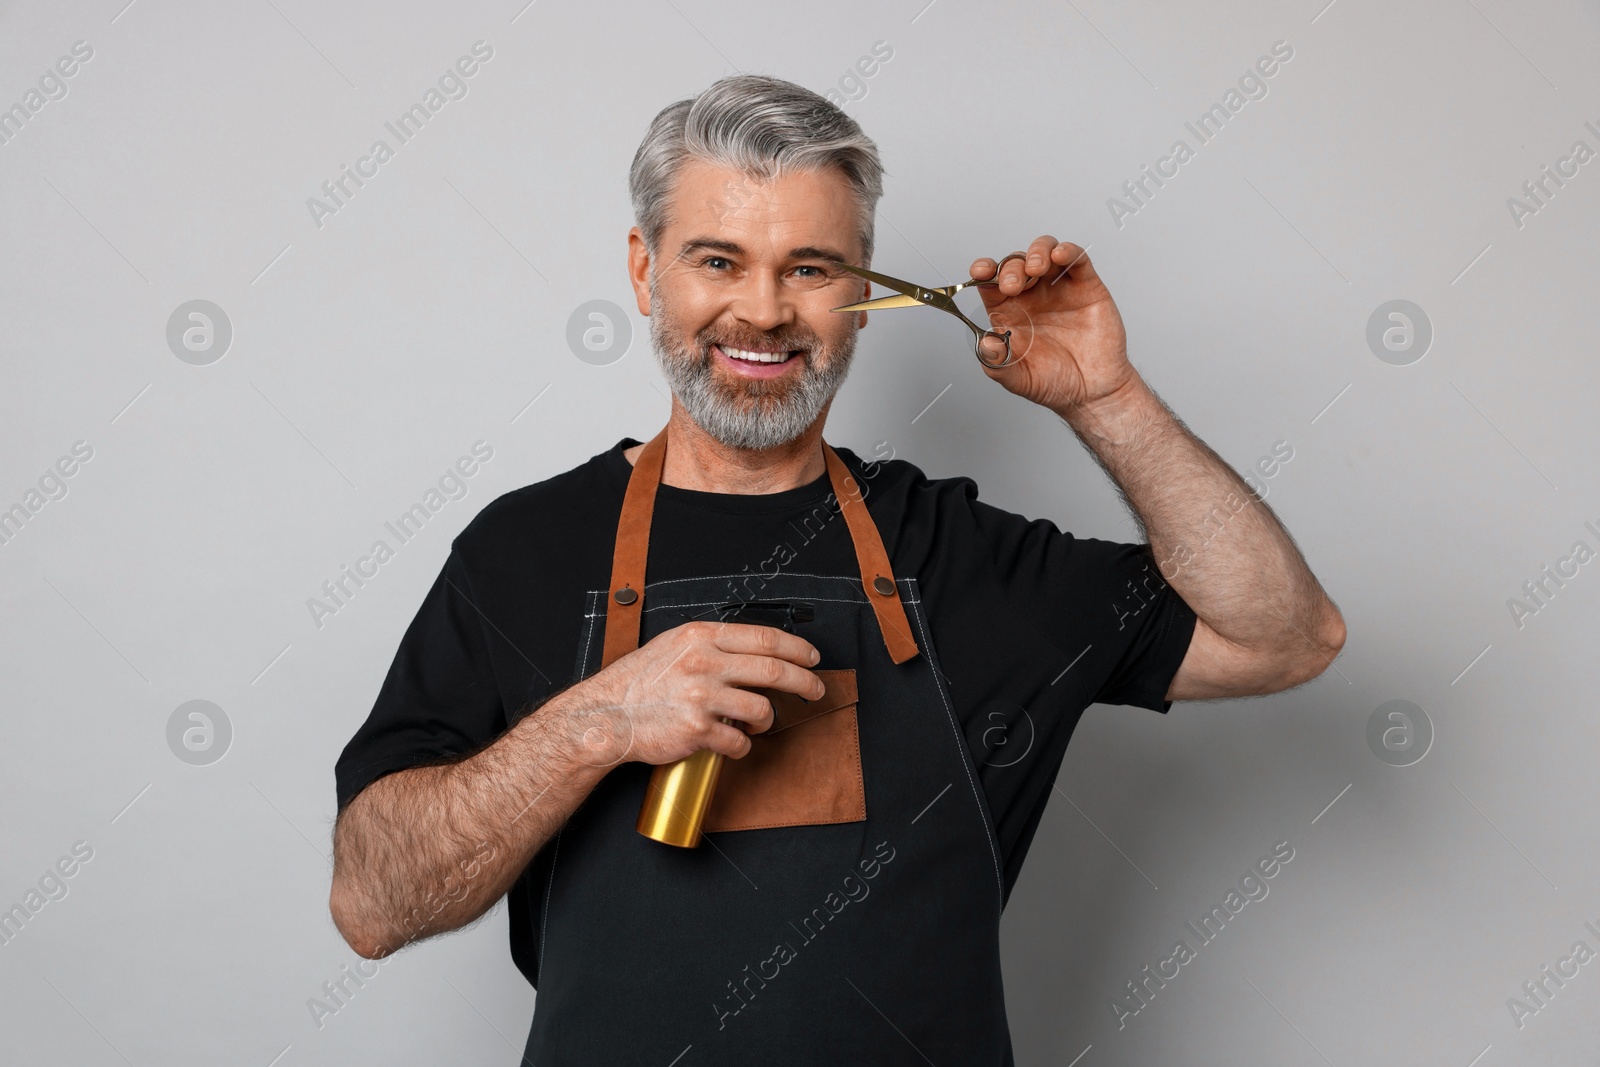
pixel 739 293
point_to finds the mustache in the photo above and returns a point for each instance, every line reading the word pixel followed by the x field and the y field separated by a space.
pixel 763 343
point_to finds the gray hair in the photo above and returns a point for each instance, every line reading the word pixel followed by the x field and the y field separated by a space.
pixel 763 127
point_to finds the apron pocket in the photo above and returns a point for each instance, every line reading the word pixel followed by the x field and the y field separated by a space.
pixel 804 771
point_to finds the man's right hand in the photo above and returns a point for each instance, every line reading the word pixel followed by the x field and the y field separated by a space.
pixel 676 694
pixel 411 834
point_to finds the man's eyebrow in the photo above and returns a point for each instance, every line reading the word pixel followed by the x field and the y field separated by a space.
pixel 812 252
pixel 733 248
pixel 710 244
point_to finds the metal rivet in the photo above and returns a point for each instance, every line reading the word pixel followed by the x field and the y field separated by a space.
pixel 883 586
pixel 626 596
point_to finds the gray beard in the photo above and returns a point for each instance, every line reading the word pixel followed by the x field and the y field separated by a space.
pixel 756 416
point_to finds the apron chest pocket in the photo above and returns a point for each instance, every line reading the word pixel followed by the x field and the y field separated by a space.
pixel 803 771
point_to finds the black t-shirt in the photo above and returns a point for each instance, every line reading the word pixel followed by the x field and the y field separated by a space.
pixel 498 632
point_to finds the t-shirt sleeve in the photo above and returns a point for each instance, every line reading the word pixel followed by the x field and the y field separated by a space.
pixel 1105 597
pixel 439 699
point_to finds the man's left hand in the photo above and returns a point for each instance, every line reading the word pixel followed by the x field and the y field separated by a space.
pixel 1066 333
pixel 1264 623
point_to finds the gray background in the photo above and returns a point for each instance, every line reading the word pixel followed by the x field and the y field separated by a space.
pixel 370 353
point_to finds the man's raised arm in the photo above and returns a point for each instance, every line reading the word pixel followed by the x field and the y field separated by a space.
pixel 1264 622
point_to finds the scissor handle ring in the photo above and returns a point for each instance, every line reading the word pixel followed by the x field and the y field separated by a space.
pixel 1006 336
pixel 1005 362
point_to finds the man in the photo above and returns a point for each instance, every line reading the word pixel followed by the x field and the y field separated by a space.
pixel 915 658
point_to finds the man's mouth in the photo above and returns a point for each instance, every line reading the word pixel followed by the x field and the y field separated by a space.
pixel 757 355
pixel 758 363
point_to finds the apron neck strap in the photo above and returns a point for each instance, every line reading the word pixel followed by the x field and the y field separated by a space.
pixel 626 607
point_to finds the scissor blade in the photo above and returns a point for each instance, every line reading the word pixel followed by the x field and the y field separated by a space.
pixel 895 284
pixel 883 303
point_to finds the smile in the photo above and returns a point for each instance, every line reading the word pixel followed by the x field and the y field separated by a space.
pixel 755 357
pixel 756 364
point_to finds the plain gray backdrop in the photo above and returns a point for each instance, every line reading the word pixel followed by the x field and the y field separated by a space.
pixel 373 346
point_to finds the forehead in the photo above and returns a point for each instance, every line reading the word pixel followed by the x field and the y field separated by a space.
pixel 797 208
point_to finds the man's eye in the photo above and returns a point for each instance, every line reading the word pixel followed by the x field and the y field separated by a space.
pixel 715 262
pixel 816 272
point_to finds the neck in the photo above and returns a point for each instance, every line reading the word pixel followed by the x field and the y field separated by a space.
pixel 696 460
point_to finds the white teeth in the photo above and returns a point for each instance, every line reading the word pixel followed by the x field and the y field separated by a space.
pixel 754 357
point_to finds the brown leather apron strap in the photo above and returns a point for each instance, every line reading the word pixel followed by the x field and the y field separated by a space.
pixel 625 595
pixel 877 578
pixel 626 592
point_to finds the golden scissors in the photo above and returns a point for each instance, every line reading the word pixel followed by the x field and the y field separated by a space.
pixel 942 297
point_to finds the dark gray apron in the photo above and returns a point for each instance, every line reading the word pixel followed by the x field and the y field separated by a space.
pixel 873 941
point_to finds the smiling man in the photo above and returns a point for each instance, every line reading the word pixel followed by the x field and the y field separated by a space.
pixel 888 669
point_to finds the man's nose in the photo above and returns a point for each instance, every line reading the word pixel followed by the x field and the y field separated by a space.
pixel 762 303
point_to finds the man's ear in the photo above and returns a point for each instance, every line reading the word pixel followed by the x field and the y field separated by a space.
pixel 639 269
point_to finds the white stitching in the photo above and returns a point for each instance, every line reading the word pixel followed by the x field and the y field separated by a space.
pixel 758 574
pixel 754 574
pixel 550 882
pixel 701 603
pixel 544 914
pixel 588 637
pixel 705 603
pixel 961 743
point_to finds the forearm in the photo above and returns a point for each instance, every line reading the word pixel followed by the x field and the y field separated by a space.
pixel 430 849
pixel 1219 546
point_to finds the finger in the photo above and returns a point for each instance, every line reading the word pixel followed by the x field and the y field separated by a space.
pixel 768 672
pixel 748 639
pixel 1075 261
pixel 752 709
pixel 994 350
pixel 1038 260
pixel 1012 274
pixel 983 269
pixel 728 740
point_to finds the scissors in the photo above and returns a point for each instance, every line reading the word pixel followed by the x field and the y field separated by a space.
pixel 912 295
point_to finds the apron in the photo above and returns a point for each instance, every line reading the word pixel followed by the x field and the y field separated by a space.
pixel 852 939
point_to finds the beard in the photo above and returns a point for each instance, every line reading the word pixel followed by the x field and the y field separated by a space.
pixel 751 413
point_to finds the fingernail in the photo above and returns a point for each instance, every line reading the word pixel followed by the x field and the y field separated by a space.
pixel 1034 261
